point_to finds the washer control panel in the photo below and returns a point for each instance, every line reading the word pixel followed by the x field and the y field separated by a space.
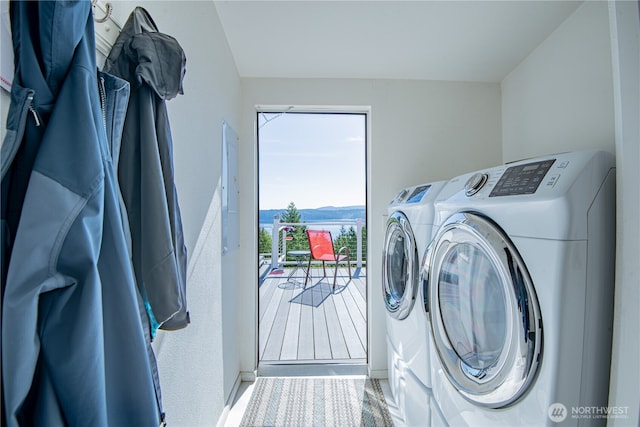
pixel 522 179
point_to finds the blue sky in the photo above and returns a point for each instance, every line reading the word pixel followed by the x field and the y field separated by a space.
pixel 313 160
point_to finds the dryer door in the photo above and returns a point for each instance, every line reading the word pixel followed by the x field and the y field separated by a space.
pixel 399 267
pixel 483 311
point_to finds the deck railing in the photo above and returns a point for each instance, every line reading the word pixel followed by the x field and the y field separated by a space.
pixel 281 232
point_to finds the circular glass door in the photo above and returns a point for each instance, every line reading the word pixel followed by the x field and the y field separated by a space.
pixel 399 267
pixel 483 311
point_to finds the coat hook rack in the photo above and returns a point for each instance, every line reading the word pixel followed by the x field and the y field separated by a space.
pixel 107 15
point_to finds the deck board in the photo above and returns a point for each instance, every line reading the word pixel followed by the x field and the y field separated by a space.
pixel 313 323
pixel 273 348
pixel 305 345
pixel 357 316
pixel 267 318
pixel 355 347
pixel 321 346
pixel 290 340
pixel 336 338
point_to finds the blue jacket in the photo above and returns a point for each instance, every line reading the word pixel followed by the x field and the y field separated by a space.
pixel 75 345
pixel 154 64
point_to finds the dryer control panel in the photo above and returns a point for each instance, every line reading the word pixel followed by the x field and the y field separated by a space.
pixel 522 179
pixel 418 193
pixel 411 195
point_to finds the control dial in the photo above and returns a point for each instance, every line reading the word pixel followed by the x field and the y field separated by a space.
pixel 475 183
pixel 399 198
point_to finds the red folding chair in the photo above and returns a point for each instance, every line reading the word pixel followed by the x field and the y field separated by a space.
pixel 321 248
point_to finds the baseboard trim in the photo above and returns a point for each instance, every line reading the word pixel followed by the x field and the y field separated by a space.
pixel 229 403
pixel 380 374
pixel 248 376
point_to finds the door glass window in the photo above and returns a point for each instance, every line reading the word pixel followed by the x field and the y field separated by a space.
pixel 397 268
pixel 473 307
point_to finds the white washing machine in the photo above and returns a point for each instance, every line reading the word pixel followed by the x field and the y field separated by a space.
pixel 409 228
pixel 519 281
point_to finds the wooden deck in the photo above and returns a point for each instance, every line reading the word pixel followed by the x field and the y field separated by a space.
pixel 313 324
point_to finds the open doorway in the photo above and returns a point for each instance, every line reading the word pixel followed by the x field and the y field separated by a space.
pixel 311 177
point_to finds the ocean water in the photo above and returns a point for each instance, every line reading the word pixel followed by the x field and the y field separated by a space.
pixel 334 229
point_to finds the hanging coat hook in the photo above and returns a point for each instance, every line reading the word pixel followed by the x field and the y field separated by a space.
pixel 107 15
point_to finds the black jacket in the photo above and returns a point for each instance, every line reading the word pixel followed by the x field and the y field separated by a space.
pixel 154 64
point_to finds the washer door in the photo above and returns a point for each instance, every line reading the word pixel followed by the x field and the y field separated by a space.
pixel 399 267
pixel 483 311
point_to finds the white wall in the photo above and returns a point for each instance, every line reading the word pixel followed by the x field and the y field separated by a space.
pixel 420 131
pixel 560 97
pixel 199 364
pixel 625 374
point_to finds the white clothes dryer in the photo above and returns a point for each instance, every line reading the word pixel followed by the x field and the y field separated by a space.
pixel 519 292
pixel 408 232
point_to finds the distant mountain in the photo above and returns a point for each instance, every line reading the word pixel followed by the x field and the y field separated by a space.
pixel 323 214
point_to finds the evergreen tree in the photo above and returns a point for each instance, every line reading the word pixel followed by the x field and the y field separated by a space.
pixel 349 238
pixel 291 214
pixel 264 242
pixel 298 235
pixel 364 243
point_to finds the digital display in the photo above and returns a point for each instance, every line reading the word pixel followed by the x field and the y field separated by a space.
pixel 418 193
pixel 522 179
